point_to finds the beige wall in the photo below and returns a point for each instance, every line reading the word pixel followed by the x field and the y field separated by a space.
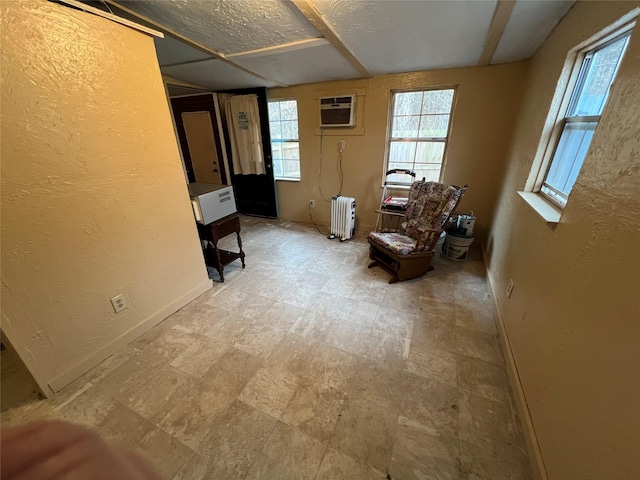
pixel 573 320
pixel 486 106
pixel 94 202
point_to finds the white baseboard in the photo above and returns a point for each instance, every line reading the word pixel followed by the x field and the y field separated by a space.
pixel 68 376
pixel 535 455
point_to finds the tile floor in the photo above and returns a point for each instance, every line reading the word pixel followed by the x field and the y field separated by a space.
pixel 308 365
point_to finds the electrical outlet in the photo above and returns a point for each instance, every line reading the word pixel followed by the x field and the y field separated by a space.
pixel 119 303
pixel 341 145
pixel 509 289
pixel 312 203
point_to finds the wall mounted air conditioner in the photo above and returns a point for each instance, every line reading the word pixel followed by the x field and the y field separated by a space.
pixel 338 111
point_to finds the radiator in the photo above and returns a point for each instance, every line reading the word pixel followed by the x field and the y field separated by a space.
pixel 343 217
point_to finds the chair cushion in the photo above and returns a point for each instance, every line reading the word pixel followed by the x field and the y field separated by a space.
pixel 430 204
pixel 396 242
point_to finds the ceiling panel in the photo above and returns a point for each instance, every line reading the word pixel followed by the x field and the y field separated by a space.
pixel 315 64
pixel 530 23
pixel 215 75
pixel 403 36
pixel 170 51
pixel 230 26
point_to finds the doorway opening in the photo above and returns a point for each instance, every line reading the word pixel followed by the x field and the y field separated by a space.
pixel 202 127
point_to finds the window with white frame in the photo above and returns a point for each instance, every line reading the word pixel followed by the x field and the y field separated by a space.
pixel 577 123
pixel 285 149
pixel 419 132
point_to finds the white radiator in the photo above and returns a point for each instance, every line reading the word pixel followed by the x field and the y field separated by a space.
pixel 343 217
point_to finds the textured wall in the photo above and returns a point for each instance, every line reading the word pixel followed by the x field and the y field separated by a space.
pixel 486 106
pixel 94 201
pixel 573 319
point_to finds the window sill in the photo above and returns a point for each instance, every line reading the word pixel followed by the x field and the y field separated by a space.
pixel 287 179
pixel 549 213
pixel 338 131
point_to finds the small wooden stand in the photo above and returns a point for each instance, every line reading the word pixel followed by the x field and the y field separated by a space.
pixel 217 230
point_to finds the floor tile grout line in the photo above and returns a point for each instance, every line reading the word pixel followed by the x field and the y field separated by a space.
pixel 240 283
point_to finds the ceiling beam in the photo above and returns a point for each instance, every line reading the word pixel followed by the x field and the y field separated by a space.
pixel 319 21
pixel 112 17
pixel 263 52
pixel 180 83
pixel 501 16
pixel 188 62
pixel 192 43
pixel 283 48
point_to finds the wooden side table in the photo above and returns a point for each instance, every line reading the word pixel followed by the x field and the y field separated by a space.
pixel 217 230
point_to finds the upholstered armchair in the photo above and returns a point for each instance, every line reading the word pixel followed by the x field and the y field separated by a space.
pixel 407 253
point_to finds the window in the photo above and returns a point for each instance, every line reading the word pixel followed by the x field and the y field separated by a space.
pixel 419 132
pixel 283 125
pixel 576 126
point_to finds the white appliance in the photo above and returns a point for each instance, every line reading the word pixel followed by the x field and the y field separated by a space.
pixel 343 217
pixel 211 202
pixel 338 111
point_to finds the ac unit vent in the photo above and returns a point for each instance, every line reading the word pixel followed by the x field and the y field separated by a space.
pixel 338 111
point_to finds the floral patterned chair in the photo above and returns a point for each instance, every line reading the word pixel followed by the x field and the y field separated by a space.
pixel 407 253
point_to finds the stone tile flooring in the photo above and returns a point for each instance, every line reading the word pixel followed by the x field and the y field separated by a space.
pixel 308 365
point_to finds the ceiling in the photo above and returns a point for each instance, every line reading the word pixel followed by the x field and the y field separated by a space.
pixel 223 44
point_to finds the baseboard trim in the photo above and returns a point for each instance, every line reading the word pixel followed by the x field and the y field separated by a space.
pixel 535 455
pixel 360 229
pixel 80 368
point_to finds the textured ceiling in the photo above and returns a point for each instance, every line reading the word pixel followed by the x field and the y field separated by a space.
pixel 401 36
pixel 230 26
pixel 171 51
pixel 302 66
pixel 337 39
pixel 215 75
pixel 530 23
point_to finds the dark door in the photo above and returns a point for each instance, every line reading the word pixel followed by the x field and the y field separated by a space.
pixel 196 123
pixel 255 194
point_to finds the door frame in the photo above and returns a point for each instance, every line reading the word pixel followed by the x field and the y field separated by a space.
pixel 263 112
pixel 180 105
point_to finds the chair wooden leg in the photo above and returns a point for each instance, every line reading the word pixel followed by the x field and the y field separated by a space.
pixel 373 264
